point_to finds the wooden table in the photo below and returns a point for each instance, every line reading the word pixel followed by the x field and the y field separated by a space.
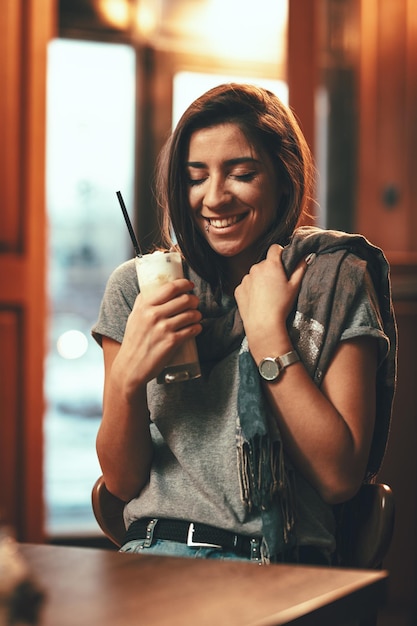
pixel 90 587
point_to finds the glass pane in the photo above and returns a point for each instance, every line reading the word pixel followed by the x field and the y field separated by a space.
pixel 90 156
pixel 190 85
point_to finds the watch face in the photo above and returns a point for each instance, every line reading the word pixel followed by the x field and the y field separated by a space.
pixel 269 369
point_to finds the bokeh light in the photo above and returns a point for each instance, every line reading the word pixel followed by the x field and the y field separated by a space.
pixel 72 344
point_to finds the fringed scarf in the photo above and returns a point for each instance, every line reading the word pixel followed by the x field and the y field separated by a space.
pixel 265 476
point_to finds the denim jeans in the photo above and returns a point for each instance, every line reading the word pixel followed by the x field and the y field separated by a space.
pixel 164 547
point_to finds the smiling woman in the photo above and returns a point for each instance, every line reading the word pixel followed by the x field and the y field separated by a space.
pixel 252 455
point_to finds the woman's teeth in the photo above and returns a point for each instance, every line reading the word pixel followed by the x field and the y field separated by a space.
pixel 223 223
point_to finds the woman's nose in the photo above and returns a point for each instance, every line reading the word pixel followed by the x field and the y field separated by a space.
pixel 216 193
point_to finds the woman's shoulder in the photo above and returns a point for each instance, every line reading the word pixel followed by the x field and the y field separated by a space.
pixel 124 274
pixel 122 284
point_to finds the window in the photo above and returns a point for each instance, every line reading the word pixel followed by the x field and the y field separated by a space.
pixel 190 85
pixel 90 155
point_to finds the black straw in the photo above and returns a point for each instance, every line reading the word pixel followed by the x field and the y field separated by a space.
pixel 129 224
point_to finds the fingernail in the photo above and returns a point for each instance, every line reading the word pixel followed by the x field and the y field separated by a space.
pixel 310 258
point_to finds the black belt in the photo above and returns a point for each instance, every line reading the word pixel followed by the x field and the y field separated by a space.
pixel 194 535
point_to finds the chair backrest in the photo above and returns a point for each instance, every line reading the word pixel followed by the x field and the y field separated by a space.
pixel 108 511
pixel 364 524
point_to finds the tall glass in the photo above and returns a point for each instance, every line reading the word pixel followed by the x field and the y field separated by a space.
pixel 154 270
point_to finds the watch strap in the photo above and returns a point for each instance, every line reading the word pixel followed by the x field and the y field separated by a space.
pixel 288 358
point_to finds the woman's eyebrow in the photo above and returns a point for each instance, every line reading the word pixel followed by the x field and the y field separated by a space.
pixel 236 161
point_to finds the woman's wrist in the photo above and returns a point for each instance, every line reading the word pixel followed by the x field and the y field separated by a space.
pixel 127 388
pixel 270 345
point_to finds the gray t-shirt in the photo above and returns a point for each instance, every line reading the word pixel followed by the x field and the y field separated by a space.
pixel 194 475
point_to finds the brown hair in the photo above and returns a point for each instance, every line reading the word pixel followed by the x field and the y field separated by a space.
pixel 269 126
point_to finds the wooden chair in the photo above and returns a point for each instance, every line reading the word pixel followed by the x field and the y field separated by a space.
pixel 364 527
pixel 364 531
pixel 364 524
pixel 108 511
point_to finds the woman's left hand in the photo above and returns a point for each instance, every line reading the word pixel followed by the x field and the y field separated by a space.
pixel 265 298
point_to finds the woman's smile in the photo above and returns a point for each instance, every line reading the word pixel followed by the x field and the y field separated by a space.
pixel 224 222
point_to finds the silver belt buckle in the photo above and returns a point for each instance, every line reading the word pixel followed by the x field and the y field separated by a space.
pixel 193 544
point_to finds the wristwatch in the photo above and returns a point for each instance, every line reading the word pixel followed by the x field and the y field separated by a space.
pixel 271 367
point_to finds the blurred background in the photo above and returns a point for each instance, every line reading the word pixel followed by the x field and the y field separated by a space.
pixel 92 89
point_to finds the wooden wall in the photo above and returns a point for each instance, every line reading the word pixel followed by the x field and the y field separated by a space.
pixel 387 187
pixel 364 54
pixel 386 212
pixel 25 28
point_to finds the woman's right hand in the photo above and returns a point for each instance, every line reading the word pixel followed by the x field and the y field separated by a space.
pixel 160 321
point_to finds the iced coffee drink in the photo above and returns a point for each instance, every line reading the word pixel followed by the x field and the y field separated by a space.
pixel 154 270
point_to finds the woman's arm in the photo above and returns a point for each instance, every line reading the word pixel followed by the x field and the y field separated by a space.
pixel 158 324
pixel 327 431
pixel 124 445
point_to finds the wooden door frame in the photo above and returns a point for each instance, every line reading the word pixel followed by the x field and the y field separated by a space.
pixel 26 27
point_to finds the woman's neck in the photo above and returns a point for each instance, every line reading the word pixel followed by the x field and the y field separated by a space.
pixel 237 268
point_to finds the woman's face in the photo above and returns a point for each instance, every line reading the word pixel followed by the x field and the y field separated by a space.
pixel 233 191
